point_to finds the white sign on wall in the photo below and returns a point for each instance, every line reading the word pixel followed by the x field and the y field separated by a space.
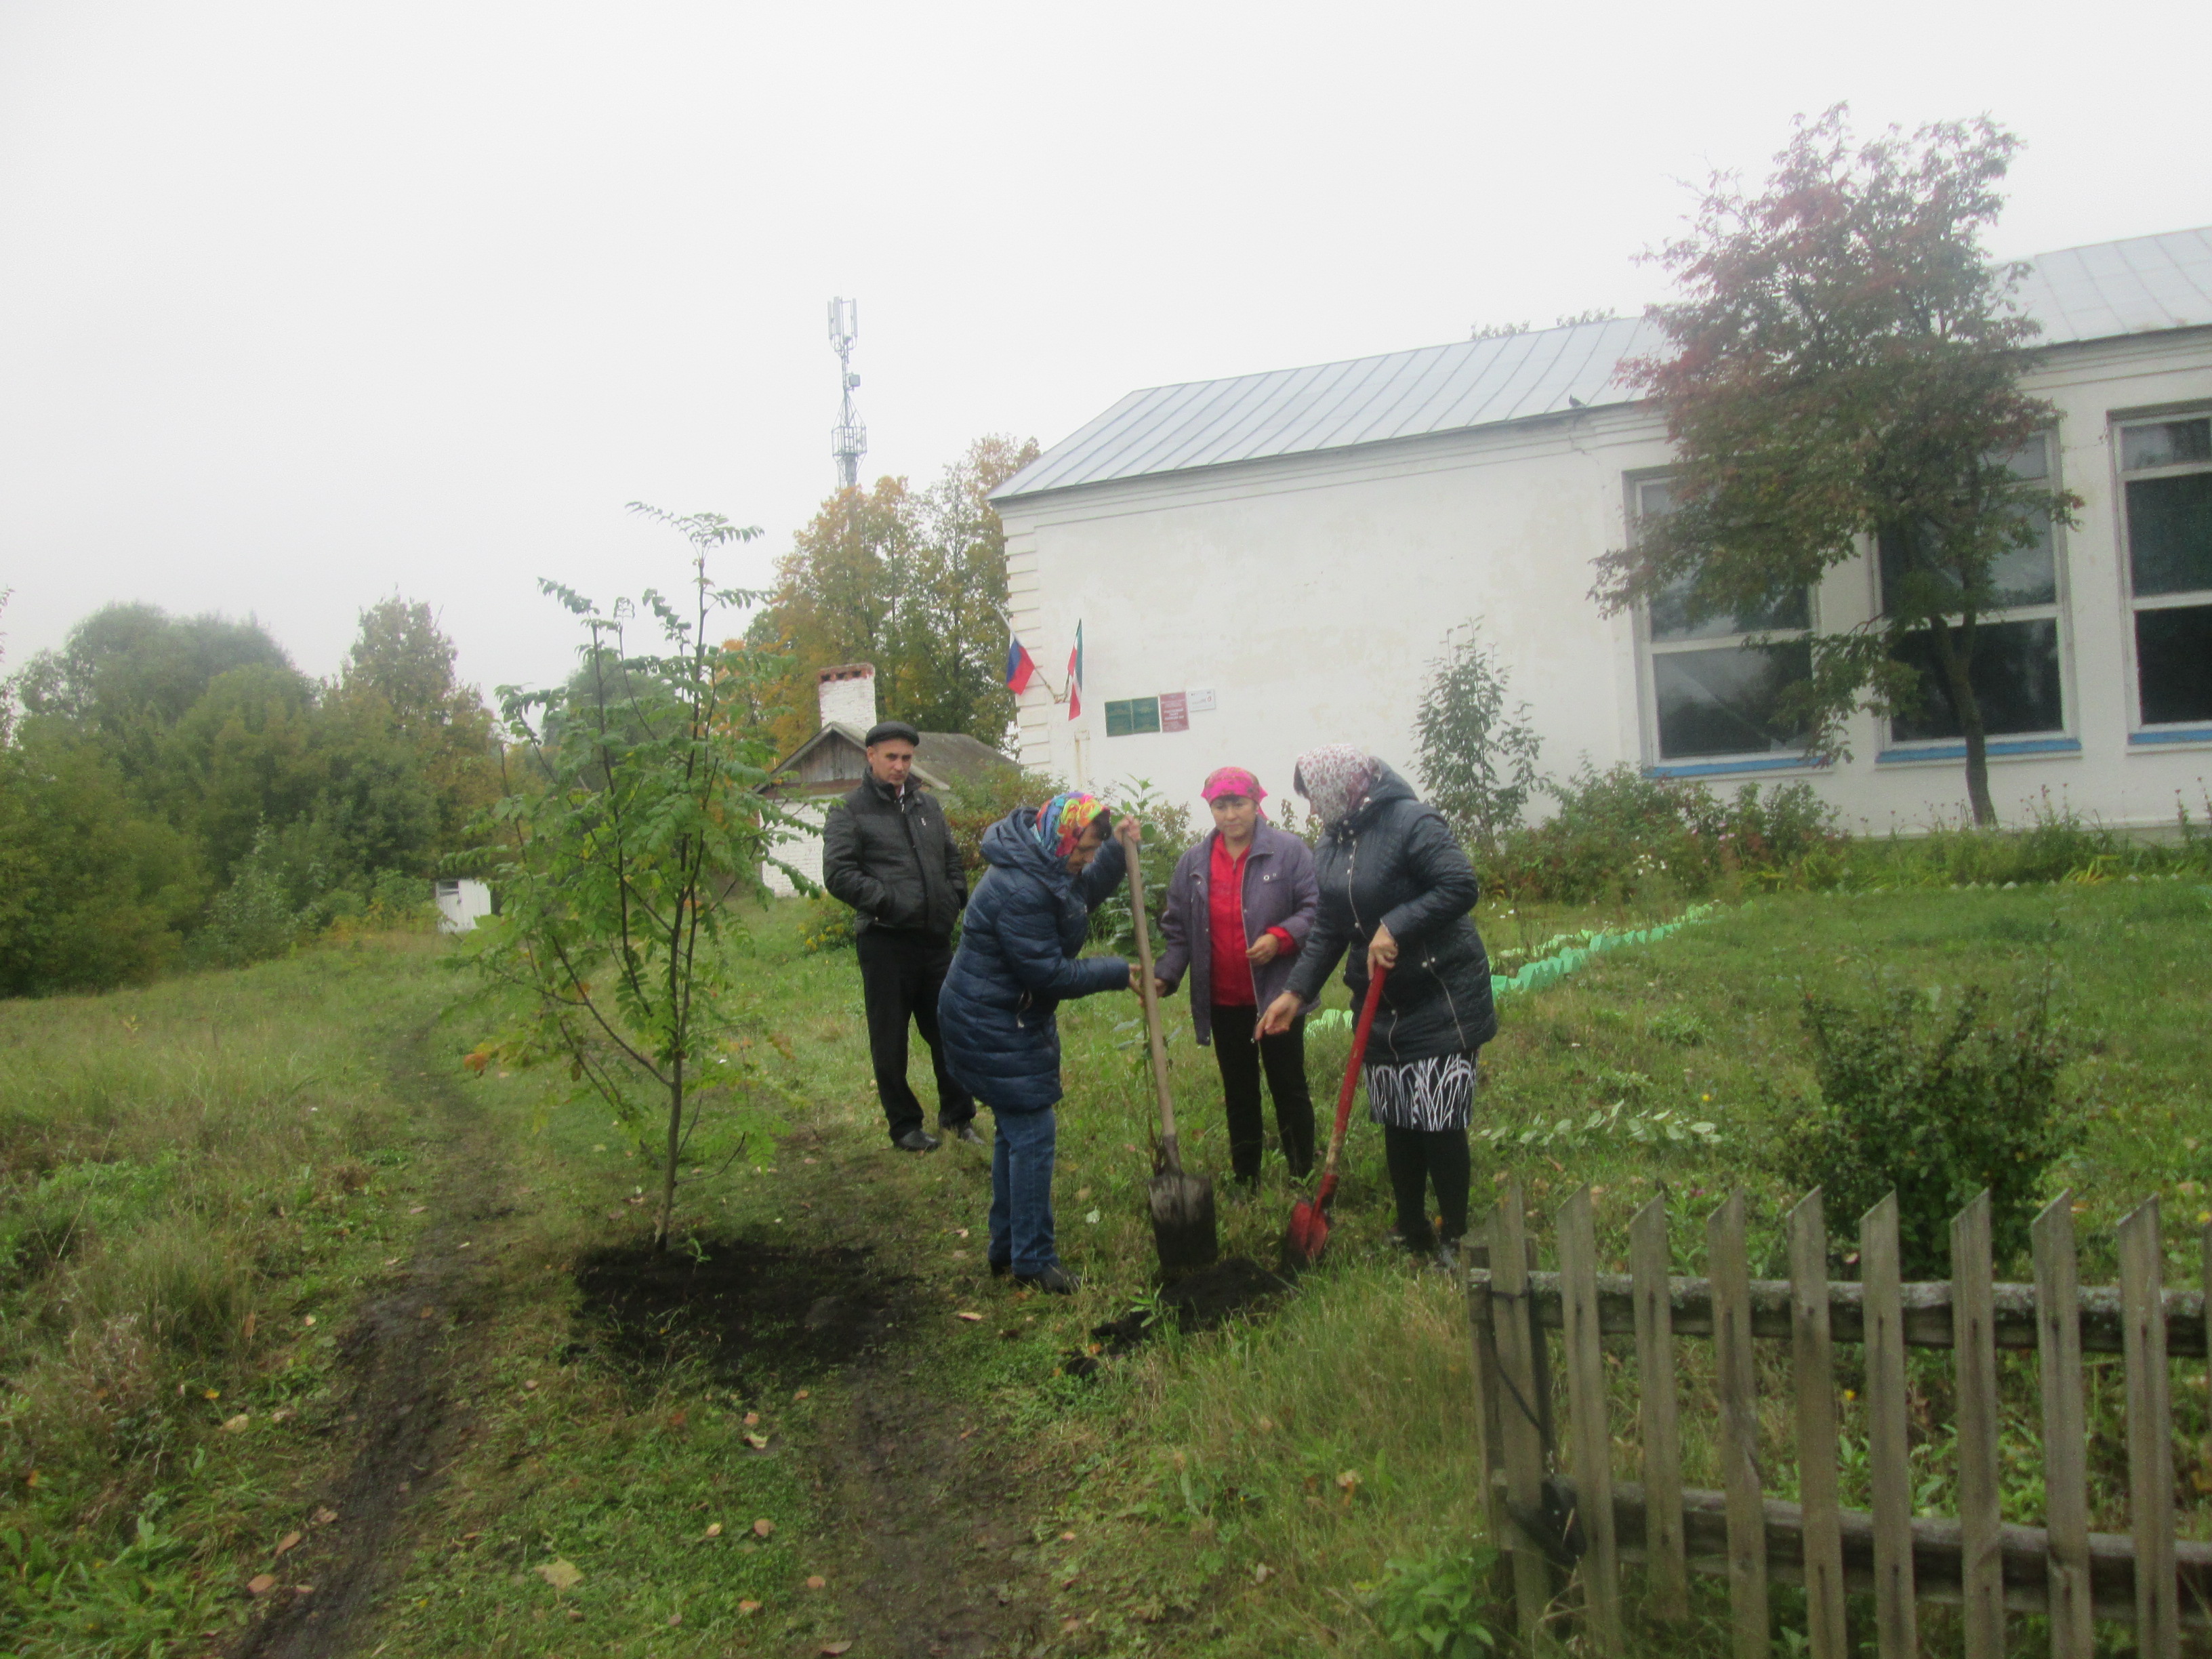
pixel 1201 702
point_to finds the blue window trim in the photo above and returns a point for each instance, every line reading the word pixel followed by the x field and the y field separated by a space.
pixel 1720 768
pixel 1997 751
pixel 2171 734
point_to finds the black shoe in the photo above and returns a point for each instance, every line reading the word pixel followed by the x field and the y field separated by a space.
pixel 965 1132
pixel 1001 1269
pixel 1055 1281
pixel 916 1140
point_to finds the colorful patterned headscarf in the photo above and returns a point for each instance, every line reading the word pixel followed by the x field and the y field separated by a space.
pixel 1061 821
pixel 1336 779
pixel 1232 780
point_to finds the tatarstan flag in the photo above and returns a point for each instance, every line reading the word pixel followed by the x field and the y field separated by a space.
pixel 1075 675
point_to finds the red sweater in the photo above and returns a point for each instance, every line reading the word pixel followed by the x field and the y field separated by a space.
pixel 1225 917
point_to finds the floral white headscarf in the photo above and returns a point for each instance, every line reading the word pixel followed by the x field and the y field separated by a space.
pixel 1335 780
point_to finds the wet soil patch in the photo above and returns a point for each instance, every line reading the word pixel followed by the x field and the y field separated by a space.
pixel 749 1310
pixel 401 1359
pixel 1196 1302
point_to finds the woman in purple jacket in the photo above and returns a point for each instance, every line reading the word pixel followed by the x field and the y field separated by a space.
pixel 1237 913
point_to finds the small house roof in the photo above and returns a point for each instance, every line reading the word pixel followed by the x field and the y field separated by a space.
pixel 2145 284
pixel 942 760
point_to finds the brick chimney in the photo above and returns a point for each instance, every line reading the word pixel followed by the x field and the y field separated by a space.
pixel 848 694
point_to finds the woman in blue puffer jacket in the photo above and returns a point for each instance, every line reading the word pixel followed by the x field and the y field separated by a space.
pixel 1017 963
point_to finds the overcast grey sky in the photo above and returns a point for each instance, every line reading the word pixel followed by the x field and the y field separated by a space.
pixel 302 303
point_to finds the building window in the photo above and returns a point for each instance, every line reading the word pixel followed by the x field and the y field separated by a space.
pixel 1716 695
pixel 1137 714
pixel 2015 667
pixel 2166 469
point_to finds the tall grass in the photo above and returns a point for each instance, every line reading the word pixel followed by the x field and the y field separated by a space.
pixel 185 1172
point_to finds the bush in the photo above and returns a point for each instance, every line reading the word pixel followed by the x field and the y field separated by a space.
pixel 982 801
pixel 1434 1608
pixel 1168 837
pixel 1478 756
pixel 1936 1105
pixel 828 924
pixel 252 919
pixel 1618 833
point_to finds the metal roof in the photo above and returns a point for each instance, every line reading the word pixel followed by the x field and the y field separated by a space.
pixel 2142 285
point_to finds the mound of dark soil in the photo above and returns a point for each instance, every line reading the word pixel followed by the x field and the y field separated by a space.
pixel 1196 1302
pixel 749 1310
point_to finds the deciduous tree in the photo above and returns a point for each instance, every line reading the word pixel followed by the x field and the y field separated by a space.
pixel 1844 373
pixel 915 584
pixel 614 875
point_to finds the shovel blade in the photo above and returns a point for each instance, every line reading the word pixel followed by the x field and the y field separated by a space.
pixel 1182 1222
pixel 1307 1236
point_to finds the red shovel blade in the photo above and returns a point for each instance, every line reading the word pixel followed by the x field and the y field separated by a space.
pixel 1307 1237
pixel 1309 1233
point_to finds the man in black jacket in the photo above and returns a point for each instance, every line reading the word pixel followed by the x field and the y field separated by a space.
pixel 886 852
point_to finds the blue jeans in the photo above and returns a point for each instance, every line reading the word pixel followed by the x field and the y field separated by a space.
pixel 1021 1189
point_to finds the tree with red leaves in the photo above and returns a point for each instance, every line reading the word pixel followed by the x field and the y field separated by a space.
pixel 1844 377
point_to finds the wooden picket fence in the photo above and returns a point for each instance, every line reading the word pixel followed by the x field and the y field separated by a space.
pixel 1555 1514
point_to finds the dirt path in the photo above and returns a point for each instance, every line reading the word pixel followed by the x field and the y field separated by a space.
pixel 400 1359
pixel 927 1509
pixel 928 1506
pixel 942 1564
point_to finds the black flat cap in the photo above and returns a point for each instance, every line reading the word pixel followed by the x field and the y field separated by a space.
pixel 884 730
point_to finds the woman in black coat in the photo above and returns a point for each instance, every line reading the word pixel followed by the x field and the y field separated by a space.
pixel 1396 889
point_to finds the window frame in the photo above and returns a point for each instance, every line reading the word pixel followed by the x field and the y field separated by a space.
pixel 1650 648
pixel 2144 736
pixel 2065 738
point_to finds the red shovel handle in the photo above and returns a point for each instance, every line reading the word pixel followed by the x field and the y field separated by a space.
pixel 1350 1085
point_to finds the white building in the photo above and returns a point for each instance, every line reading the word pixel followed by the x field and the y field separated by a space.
pixel 823 770
pixel 1269 562
pixel 461 904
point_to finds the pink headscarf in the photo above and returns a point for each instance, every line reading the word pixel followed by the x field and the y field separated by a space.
pixel 1232 780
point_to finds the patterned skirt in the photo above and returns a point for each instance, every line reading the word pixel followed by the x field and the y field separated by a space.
pixel 1437 1093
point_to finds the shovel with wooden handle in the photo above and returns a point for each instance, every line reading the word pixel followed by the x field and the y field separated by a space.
pixel 1307 1236
pixel 1183 1204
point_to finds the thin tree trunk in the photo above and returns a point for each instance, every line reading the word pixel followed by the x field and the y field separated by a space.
pixel 1956 658
pixel 668 1163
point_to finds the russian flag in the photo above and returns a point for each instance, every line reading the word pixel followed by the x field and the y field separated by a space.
pixel 1020 668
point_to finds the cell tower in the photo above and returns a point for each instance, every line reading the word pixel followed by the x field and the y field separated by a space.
pixel 848 439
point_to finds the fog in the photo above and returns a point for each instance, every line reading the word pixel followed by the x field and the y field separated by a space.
pixel 305 304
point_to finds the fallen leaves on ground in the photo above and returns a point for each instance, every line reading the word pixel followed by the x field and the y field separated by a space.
pixel 290 1540
pixel 714 1530
pixel 323 1517
pixel 752 1420
pixel 561 1573
pixel 833 1648
pixel 261 1583
pixel 816 1580
pixel 749 1607
pixel 972 1318
pixel 763 1526
pixel 237 1425
pixel 757 1442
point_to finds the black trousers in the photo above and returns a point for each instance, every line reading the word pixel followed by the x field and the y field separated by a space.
pixel 1242 1060
pixel 1418 1159
pixel 901 974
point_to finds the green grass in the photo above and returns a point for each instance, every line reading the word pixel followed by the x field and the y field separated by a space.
pixel 201 1178
pixel 167 1180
